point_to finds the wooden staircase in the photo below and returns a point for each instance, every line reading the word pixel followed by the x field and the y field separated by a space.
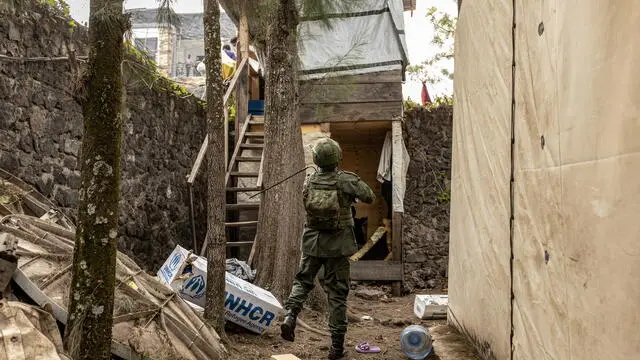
pixel 243 176
pixel 244 166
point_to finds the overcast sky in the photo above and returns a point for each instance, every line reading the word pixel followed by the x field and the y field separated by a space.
pixel 417 29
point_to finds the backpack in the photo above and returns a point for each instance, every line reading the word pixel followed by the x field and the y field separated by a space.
pixel 322 203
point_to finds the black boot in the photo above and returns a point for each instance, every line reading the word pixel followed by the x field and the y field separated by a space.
pixel 288 327
pixel 337 347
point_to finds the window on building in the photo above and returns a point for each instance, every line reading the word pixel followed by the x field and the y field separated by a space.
pixel 148 45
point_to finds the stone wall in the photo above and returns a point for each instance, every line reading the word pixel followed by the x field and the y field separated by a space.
pixel 41 128
pixel 425 227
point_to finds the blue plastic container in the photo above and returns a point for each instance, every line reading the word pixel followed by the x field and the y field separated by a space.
pixel 415 342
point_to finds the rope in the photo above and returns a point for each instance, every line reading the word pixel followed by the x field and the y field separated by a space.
pixel 281 181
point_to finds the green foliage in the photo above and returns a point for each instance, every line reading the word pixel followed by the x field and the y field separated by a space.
pixel 410 105
pixel 139 68
pixel 442 100
pixel 444 196
pixel 60 6
pixel 444 27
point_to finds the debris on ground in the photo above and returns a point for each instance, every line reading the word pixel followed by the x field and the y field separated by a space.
pixel 284 357
pixel 431 306
pixel 245 304
pixel 448 343
pixel 149 319
pixel 370 294
pixel 365 348
pixel 29 333
pixel 240 269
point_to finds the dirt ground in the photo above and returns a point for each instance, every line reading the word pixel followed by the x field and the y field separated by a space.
pixel 390 316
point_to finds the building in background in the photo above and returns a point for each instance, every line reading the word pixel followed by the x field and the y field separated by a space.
pixel 177 49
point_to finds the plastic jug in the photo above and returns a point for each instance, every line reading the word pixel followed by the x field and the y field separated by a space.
pixel 415 342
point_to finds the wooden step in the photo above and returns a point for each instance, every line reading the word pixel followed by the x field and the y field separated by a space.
pixel 255 134
pixel 240 224
pixel 239 243
pixel 249 158
pixel 243 189
pixel 243 206
pixel 244 174
pixel 251 146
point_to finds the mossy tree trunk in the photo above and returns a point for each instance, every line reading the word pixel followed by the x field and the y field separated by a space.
pixel 88 332
pixel 281 216
pixel 216 248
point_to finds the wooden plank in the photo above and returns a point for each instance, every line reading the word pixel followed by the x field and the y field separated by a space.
pixel 242 91
pixel 198 162
pixel 241 224
pixel 260 172
pixel 396 253
pixel 373 270
pixel 396 220
pixel 239 243
pixel 350 93
pixel 254 134
pixel 234 81
pixel 252 146
pixel 236 151
pixel 369 244
pixel 368 111
pixel 243 206
pixel 249 158
pixel 243 189
pixel 369 78
pixel 244 174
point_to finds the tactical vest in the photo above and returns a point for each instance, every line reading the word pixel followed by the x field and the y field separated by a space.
pixel 328 208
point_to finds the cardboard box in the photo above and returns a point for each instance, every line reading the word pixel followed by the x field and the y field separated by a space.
pixel 284 357
pixel 245 304
pixel 431 306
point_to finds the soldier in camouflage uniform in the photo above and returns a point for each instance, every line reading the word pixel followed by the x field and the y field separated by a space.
pixel 328 240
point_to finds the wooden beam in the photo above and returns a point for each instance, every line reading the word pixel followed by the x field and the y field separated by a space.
pixel 393 76
pixel 367 111
pixel 198 162
pixel 260 172
pixel 242 91
pixel 397 161
pixel 203 148
pixel 350 93
pixel 377 235
pixel 236 151
pixel 373 270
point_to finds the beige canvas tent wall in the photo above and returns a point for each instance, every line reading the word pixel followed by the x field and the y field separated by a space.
pixel 562 279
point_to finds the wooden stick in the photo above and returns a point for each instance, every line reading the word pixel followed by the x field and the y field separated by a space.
pixel 369 244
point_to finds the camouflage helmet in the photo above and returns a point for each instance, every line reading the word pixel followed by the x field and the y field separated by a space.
pixel 326 153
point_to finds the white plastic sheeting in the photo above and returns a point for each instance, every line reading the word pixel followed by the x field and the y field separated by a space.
pixel 363 36
pixel 575 197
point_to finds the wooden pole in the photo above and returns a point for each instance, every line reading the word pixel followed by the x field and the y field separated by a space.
pixel 396 220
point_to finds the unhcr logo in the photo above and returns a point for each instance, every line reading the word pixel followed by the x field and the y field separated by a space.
pixel 168 270
pixel 175 262
pixel 194 287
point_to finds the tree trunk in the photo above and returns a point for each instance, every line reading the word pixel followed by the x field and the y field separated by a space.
pixel 216 248
pixel 281 212
pixel 88 332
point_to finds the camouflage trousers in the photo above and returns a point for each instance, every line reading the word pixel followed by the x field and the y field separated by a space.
pixel 336 285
